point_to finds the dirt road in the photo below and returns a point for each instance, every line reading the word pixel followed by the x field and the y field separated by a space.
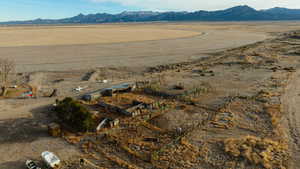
pixel 291 103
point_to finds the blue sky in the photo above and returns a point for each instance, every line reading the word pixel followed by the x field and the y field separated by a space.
pixel 31 9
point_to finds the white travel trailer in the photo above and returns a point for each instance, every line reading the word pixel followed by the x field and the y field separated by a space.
pixel 51 159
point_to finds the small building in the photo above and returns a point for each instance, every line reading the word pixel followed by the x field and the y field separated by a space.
pixel 124 87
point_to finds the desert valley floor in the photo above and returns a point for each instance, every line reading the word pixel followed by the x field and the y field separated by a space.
pixel 80 47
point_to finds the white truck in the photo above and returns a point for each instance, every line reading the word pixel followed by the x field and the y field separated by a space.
pixel 51 159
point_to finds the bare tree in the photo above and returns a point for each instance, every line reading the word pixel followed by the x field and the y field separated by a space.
pixel 7 69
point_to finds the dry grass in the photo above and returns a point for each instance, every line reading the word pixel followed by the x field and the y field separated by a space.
pixel 264 152
pixel 119 161
pixel 275 113
pixel 224 120
pixel 63 35
pixel 152 127
pixel 182 155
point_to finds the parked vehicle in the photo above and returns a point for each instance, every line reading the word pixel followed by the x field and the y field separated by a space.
pixel 31 165
pixel 51 159
pixel 27 94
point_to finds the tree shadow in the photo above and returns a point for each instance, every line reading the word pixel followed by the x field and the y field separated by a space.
pixel 13 165
pixel 24 130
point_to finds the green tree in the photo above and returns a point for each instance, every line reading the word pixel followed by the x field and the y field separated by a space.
pixel 74 114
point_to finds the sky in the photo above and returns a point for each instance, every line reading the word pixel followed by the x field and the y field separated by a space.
pixel 54 9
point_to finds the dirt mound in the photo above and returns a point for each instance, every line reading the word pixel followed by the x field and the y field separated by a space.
pixel 109 73
pixel 36 79
pixel 177 118
pixel 93 76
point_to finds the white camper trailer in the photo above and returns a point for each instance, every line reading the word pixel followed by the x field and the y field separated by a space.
pixel 50 159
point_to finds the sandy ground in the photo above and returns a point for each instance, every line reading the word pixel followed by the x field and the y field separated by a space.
pixel 24 133
pixel 63 35
pixel 291 102
pixel 148 51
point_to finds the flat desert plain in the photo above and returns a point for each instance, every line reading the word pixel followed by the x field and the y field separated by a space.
pixel 53 48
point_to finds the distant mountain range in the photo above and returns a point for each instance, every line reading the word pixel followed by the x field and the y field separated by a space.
pixel 238 13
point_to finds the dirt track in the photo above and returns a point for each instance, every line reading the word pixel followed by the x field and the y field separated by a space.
pixel 291 103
